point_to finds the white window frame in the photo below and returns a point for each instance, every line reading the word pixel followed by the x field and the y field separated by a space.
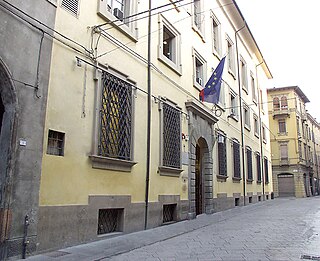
pixel 128 26
pixel 253 88
pixel 197 57
pixel 256 125
pixel 231 56
pixel 234 109
pixel 216 35
pixel 175 63
pixel 244 75
pixel 246 116
pixel 199 29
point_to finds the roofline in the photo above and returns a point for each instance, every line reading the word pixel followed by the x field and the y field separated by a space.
pixel 254 40
pixel 295 88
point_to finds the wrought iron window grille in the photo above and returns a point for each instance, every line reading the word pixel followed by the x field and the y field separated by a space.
pixel 115 118
pixel 109 220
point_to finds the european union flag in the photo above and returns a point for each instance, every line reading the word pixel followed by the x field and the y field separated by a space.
pixel 211 91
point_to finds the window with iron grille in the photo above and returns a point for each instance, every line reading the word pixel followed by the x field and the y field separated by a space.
pixel 258 161
pixel 222 155
pixel 71 5
pixel 171 137
pixel 110 220
pixel 169 213
pixel 236 159
pixel 266 170
pixel 55 143
pixel 115 118
pixel 249 163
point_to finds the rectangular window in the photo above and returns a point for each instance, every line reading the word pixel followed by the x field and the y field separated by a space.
pixel 282 127
pixel 253 88
pixel 171 137
pixel 246 116
pixel 243 70
pixel 117 8
pixel 169 45
pixel 300 150
pixel 256 125
pixel 266 170
pixel 198 17
pixel 216 39
pixel 110 220
pixel 249 164
pixel 199 70
pixel 222 155
pixel 236 159
pixel 258 164
pixel 55 143
pixel 298 127
pixel 115 118
pixel 230 56
pixel 264 134
pixel 284 151
pixel 221 101
pixel 233 105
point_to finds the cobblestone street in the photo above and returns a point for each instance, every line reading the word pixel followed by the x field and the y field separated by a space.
pixel 280 229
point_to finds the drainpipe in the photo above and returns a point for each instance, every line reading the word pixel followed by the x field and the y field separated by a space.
pixel 260 130
pixel 241 120
pixel 148 120
pixel 315 159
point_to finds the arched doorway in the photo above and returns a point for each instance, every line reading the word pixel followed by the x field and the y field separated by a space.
pixel 8 105
pixel 203 187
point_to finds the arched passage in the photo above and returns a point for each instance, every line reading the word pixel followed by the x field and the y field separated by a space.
pixel 8 105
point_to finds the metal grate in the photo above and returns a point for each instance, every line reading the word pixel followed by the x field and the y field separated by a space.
pixel 236 159
pixel 310 257
pixel 249 164
pixel 168 212
pixel 115 118
pixel 55 143
pixel 222 155
pixel 109 220
pixel 71 5
pixel 171 137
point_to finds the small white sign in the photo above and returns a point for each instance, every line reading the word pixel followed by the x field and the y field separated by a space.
pixel 22 142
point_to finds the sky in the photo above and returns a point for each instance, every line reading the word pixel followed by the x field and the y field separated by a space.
pixel 287 33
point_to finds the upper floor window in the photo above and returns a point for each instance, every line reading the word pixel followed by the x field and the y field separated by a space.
pixel 243 70
pixel 230 56
pixel 221 101
pixel 264 134
pixel 258 164
pixel 169 45
pixel 276 104
pixel 233 105
pixel 216 35
pixel 246 116
pixel 256 125
pixel 283 151
pixel 284 103
pixel 266 170
pixel 298 127
pixel 199 70
pixel 253 88
pixel 118 12
pixel 198 16
pixel 72 6
pixel 282 127
pixel 222 155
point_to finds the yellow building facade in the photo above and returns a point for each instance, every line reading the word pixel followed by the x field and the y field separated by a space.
pixel 128 145
pixel 293 143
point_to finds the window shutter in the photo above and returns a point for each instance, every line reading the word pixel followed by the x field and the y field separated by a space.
pixel 71 5
pixel 236 159
pixel 258 167
pixel 222 157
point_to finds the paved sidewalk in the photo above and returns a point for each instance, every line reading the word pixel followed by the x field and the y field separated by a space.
pixel 280 229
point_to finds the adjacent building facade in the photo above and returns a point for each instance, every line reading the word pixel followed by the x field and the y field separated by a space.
pixel 294 143
pixel 110 163
pixel 25 53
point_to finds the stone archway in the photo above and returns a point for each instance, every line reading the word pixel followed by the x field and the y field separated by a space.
pixel 8 103
pixel 201 132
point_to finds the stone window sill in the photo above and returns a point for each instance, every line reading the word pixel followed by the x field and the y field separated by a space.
pixel 249 181
pixel 167 171
pixel 236 179
pixel 99 162
pixel 222 177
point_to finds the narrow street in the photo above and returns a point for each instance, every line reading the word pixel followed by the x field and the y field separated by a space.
pixel 280 229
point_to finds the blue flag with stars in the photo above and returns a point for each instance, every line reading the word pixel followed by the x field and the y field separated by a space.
pixel 211 91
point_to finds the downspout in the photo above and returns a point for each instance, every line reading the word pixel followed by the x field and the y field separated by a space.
pixel 316 160
pixel 241 120
pixel 148 120
pixel 260 130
